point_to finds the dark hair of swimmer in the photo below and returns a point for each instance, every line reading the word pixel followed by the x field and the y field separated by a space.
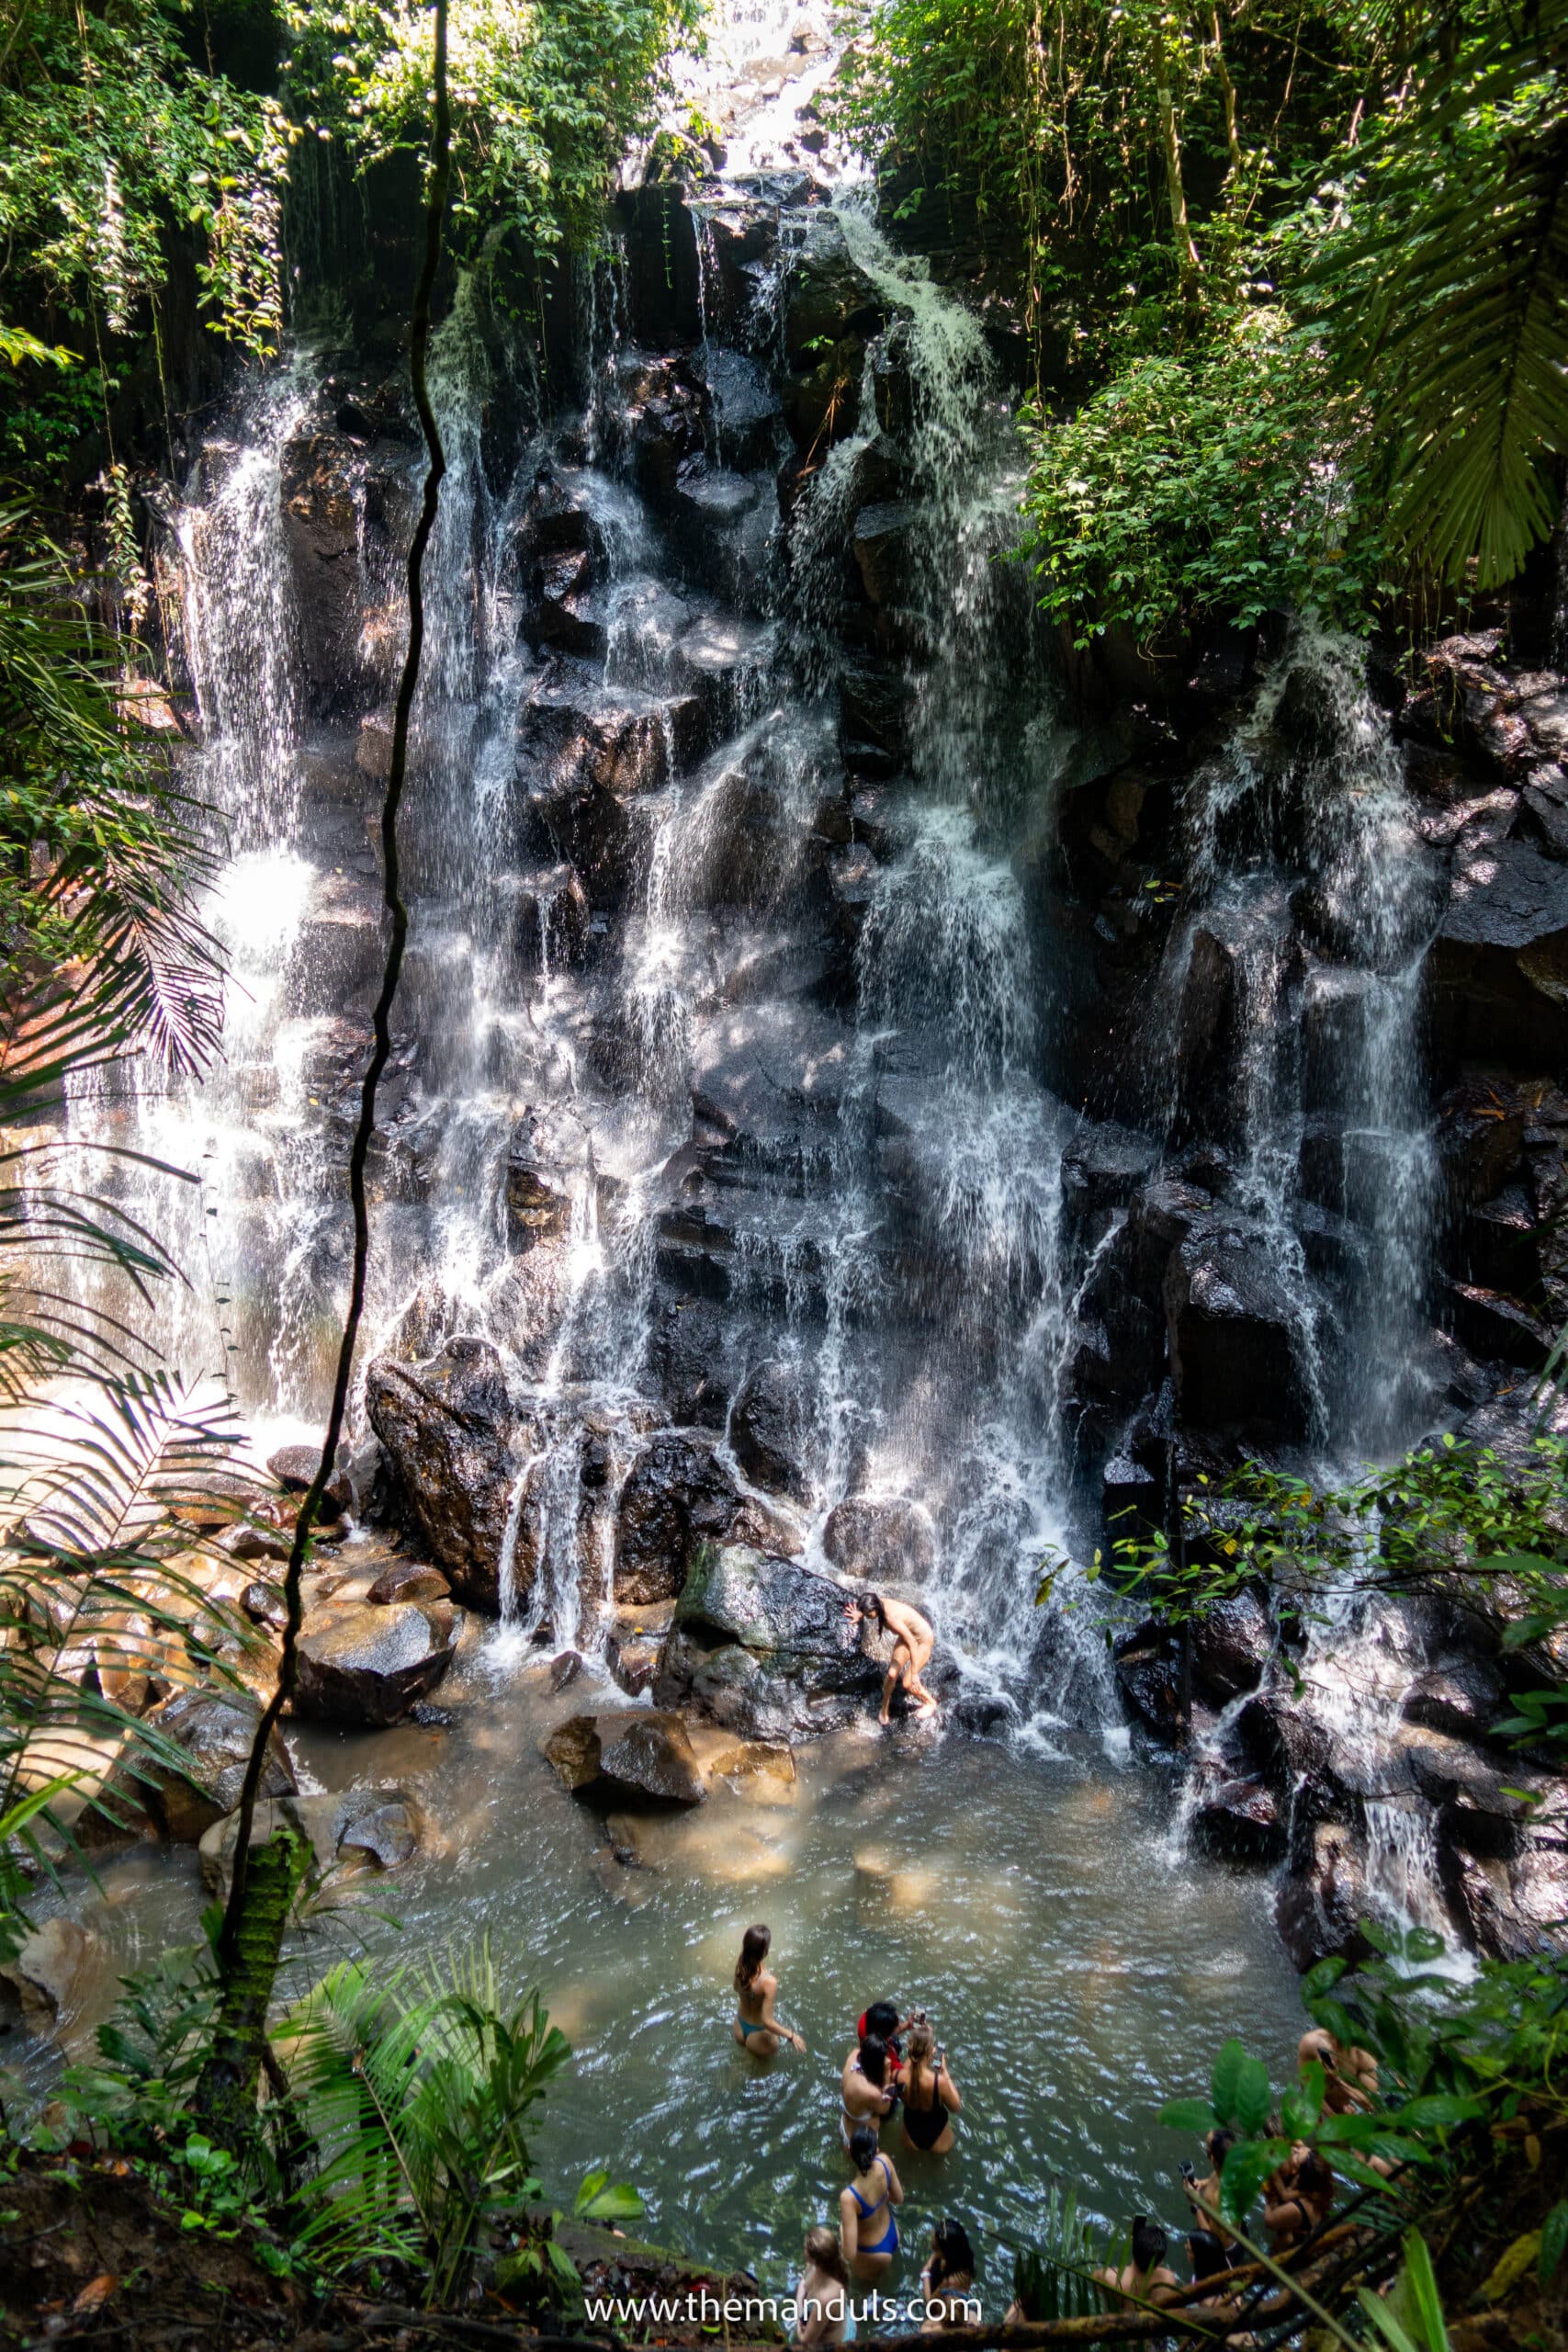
pixel 1209 2257
pixel 882 2018
pixel 1148 2243
pixel 874 2060
pixel 871 1606
pixel 863 2147
pixel 753 1952
pixel 953 2255
pixel 1219 2145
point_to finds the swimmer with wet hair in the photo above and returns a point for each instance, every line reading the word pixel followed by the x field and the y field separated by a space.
pixel 1145 2279
pixel 867 2230
pixel 754 2027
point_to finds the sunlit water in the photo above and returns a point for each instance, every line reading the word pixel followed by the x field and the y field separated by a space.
pixel 1077 1975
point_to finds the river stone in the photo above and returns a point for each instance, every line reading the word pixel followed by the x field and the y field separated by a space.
pixel 214 1727
pixel 408 1580
pixel 265 1604
pixel 46 1979
pixel 1238 1818
pixel 764 1647
pixel 382 1827
pixel 295 1468
pixel 767 1430
pixel 447 1427
pixel 881 1540
pixel 369 1664
pixel 640 1757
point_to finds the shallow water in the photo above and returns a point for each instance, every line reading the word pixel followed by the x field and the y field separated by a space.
pixel 1078 1971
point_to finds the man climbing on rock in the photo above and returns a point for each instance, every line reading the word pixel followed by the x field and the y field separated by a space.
pixel 913 1642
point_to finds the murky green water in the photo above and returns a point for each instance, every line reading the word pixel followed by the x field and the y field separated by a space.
pixel 1077 1972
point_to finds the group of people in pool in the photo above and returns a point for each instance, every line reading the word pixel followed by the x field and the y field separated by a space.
pixel 897 2067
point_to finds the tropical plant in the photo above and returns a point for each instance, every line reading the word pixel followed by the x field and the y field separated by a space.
pixel 1449 288
pixel 544 100
pixel 1224 482
pixel 418 2089
pixel 110 130
pixel 1051 2275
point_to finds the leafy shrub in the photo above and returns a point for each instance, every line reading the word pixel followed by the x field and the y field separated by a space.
pixel 1225 483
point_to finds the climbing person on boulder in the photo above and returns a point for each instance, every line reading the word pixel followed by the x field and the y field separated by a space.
pixel 913 1642
pixel 755 2026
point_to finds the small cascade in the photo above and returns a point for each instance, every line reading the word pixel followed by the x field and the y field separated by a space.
pixel 1310 906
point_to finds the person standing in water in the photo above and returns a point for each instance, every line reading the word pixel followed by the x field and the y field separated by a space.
pixel 930 2095
pixel 913 1642
pixel 868 2232
pixel 1145 2279
pixel 822 2299
pixel 755 2026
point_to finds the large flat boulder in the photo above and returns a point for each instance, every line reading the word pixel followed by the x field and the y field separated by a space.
pixel 369 1664
pixel 349 1831
pixel 763 1646
pixel 639 1758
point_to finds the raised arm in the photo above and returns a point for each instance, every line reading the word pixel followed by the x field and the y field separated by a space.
pixel 947 2091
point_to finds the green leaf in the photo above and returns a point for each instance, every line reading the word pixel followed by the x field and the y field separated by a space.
pixel 1188 2115
pixel 1227 2076
pixel 1553 2240
pixel 1252 2096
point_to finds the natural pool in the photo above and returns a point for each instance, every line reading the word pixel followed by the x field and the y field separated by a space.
pixel 1078 1969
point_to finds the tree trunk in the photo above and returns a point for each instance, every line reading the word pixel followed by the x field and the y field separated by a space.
pixel 1189 266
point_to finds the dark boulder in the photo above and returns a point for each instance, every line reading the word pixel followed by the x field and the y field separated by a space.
pixel 1464 1697
pixel 1320 1905
pixel 875 1541
pixel 295 1468
pixel 1235 1335
pixel 1237 1817
pixel 1512 1909
pixel 880 543
pixel 768 1430
pixel 1232 1645
pixel 408 1580
pixel 828 295
pixel 675 1497
pixel 445 1427
pixel 550 918
pixel 319 476
pixel 1148 1673
pixel 632 1760
pixel 214 1728
pixel 536 1210
pixel 370 1664
pixel 764 1647
pixel 1102 1169
pixel 1497 1328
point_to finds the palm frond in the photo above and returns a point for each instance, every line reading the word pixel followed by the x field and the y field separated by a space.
pixel 1449 290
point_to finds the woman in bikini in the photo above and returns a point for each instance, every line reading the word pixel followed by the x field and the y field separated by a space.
pixel 913 1643
pixel 755 2026
pixel 930 2095
pixel 868 2232
pixel 947 2282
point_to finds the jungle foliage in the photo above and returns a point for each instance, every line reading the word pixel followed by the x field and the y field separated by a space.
pixel 1351 219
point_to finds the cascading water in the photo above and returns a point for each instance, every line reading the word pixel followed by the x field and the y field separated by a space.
pixel 725 1008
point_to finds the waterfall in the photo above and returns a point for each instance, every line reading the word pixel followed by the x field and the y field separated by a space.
pixel 1308 879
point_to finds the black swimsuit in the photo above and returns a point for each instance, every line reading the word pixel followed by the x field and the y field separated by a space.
pixel 925 2125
